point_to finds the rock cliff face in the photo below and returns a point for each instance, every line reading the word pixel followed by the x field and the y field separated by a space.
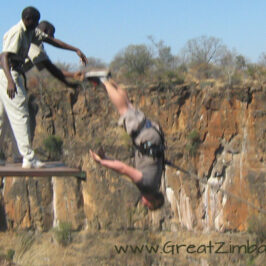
pixel 226 162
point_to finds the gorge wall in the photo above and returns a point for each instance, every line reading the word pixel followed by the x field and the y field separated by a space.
pixel 229 155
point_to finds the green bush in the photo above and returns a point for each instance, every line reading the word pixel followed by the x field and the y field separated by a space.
pixel 194 142
pixel 256 72
pixel 63 233
pixel 53 146
pixel 10 254
pixel 252 70
pixel 2 155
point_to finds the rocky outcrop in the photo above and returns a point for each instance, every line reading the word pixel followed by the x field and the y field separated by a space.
pixel 227 166
pixel 229 163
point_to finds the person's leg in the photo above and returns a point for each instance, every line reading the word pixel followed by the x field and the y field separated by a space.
pixel 17 112
pixel 117 95
pixel 3 119
pixel 17 158
pixel 5 129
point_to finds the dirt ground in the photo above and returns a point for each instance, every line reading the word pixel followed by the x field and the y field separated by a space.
pixel 155 248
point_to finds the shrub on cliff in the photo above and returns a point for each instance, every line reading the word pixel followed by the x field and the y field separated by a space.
pixel 134 62
pixel 2 155
pixel 10 254
pixel 63 233
pixel 194 142
pixel 53 145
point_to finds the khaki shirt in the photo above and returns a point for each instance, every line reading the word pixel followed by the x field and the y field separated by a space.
pixel 151 168
pixel 18 40
pixel 36 56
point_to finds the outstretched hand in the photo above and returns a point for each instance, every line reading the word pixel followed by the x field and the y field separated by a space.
pixel 79 75
pixel 95 157
pixel 82 57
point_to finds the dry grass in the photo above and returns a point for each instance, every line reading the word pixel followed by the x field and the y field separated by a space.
pixel 98 248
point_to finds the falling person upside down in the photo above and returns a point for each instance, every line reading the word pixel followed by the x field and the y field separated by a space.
pixel 147 139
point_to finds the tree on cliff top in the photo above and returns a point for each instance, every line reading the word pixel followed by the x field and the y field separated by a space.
pixel 204 50
pixel 134 61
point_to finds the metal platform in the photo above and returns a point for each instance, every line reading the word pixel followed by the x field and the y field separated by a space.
pixel 56 169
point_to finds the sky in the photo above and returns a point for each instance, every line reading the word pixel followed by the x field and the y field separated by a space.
pixel 102 29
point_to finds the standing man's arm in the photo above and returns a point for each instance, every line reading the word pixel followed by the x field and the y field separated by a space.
pixel 78 75
pixel 60 44
pixel 59 74
pixel 11 86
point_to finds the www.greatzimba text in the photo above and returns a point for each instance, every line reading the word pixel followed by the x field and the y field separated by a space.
pixel 210 248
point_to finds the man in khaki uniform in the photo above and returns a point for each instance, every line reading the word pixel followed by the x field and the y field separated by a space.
pixel 13 96
pixel 38 57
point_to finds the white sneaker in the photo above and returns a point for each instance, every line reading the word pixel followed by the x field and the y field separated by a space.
pixel 34 163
